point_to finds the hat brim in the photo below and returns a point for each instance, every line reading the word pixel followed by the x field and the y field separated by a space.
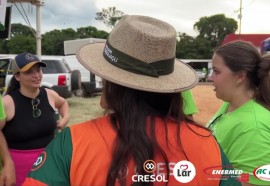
pixel 29 65
pixel 182 78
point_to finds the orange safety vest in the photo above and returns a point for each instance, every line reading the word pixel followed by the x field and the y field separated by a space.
pixel 93 145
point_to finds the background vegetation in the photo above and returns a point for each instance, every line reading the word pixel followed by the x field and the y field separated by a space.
pixel 211 32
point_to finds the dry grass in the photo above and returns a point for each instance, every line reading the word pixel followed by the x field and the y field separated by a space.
pixel 83 109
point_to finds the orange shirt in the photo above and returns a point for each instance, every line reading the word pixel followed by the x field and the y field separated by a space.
pixel 92 147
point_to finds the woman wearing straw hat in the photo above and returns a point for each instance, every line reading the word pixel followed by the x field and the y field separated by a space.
pixel 145 132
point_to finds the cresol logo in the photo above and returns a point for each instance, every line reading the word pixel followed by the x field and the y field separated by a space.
pixel 262 172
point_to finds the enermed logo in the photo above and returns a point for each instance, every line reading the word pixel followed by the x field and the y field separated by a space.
pixel 262 172
pixel 225 173
pixel 184 171
pixel 149 166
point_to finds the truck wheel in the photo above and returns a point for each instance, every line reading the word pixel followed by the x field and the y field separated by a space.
pixel 81 92
pixel 75 80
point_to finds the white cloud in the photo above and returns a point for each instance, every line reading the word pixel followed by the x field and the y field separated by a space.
pixel 182 14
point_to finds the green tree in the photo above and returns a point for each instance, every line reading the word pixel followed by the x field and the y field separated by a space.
pixel 203 48
pixel 22 39
pixel 19 43
pixel 102 34
pixel 3 46
pixel 109 16
pixel 184 48
pixel 188 47
pixel 53 41
pixel 86 32
pixel 52 44
pixel 20 29
pixel 215 28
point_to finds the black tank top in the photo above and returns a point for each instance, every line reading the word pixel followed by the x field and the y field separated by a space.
pixel 25 132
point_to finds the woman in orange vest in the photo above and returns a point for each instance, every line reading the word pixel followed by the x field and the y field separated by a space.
pixel 145 138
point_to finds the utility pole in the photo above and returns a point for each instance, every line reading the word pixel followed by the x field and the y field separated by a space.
pixel 38 4
pixel 240 17
pixel 38 27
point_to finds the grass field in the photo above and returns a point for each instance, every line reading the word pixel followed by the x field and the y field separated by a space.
pixel 83 109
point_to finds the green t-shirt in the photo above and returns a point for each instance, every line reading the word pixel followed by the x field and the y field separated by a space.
pixel 2 111
pixel 189 103
pixel 244 135
pixel 2 116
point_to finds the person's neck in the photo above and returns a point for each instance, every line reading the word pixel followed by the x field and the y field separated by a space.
pixel 239 99
pixel 29 92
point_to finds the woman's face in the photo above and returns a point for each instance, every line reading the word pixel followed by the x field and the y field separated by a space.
pixel 224 80
pixel 103 102
pixel 31 78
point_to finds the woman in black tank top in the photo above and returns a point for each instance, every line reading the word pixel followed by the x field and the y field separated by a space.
pixel 30 118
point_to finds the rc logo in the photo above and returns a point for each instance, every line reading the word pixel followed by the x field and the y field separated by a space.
pixel 263 172
pixel 184 171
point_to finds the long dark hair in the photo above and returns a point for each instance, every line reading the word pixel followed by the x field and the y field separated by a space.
pixel 244 56
pixel 263 90
pixel 13 85
pixel 130 111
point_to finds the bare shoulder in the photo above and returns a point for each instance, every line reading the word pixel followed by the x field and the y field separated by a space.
pixel 51 92
pixel 7 100
pixel 54 97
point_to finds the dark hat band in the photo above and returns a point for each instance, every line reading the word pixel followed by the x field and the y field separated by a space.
pixel 131 64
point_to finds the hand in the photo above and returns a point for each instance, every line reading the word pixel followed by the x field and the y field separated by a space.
pixel 8 177
pixel 61 123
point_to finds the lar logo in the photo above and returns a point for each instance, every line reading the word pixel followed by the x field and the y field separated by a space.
pixel 39 162
pixel 184 171
pixel 149 166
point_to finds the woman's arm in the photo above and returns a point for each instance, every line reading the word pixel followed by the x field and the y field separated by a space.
pixel 63 109
pixel 7 177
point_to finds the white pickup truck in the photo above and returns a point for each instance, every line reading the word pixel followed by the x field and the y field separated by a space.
pixel 57 75
pixel 90 83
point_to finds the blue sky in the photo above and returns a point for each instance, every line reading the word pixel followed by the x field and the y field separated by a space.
pixel 182 14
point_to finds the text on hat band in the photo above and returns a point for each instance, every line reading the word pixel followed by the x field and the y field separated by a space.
pixel 131 64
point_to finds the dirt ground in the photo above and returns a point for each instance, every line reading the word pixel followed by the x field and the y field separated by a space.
pixel 206 102
pixel 83 109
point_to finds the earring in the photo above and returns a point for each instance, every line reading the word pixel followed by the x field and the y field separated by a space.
pixel 237 83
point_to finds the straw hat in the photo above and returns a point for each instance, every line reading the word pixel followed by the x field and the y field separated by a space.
pixel 139 54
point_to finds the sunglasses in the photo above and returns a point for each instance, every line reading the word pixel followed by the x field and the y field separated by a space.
pixel 36 112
